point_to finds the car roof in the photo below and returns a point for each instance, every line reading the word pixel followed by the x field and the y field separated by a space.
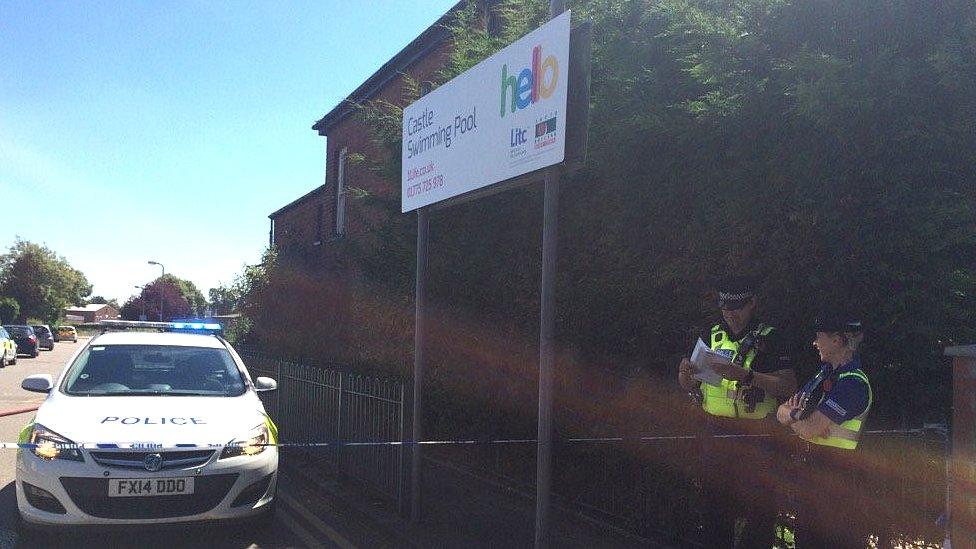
pixel 158 338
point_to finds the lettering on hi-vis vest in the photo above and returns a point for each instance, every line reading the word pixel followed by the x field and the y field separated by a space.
pixel 533 83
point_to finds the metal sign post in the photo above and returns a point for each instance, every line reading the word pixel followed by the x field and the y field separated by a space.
pixel 547 341
pixel 546 356
pixel 416 463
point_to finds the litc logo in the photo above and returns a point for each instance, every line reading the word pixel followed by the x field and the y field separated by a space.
pixel 531 84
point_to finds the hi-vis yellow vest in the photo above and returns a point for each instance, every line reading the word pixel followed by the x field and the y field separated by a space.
pixel 726 400
pixel 848 433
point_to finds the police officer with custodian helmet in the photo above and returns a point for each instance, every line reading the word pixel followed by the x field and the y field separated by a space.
pixel 736 470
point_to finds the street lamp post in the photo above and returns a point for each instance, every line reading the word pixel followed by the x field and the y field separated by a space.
pixel 143 301
pixel 160 287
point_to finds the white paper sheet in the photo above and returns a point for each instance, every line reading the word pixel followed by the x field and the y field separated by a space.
pixel 702 359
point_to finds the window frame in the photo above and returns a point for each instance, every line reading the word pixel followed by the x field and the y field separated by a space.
pixel 340 217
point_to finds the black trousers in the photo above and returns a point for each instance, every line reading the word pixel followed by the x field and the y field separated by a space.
pixel 741 477
pixel 833 493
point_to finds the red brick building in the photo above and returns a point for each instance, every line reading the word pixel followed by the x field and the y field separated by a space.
pixel 311 224
pixel 93 313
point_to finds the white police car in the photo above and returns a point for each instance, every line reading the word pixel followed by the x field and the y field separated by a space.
pixel 170 429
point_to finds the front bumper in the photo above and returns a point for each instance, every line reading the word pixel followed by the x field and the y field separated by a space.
pixel 224 490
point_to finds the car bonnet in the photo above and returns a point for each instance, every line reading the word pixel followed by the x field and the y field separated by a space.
pixel 166 420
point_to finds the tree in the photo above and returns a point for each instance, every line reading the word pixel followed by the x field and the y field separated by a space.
pixel 42 282
pixel 174 304
pixel 9 309
pixel 248 294
pixel 225 299
pixel 190 292
pixel 99 299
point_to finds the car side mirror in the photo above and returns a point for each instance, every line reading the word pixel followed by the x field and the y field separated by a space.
pixel 38 383
pixel 262 384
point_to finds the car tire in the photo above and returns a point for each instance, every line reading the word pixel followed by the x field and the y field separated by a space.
pixel 37 351
pixel 3 359
pixel 14 359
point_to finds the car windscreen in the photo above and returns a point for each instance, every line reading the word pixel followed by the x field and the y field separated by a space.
pixel 155 370
pixel 19 331
pixel 41 330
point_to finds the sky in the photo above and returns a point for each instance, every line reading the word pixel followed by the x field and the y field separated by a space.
pixel 168 131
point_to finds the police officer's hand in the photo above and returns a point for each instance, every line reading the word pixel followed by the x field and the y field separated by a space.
pixel 728 371
pixel 685 372
pixel 785 410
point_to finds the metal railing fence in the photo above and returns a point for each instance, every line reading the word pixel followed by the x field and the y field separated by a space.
pixel 654 489
pixel 319 405
pixel 649 488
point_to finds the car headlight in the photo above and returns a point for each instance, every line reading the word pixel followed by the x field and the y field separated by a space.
pixel 252 445
pixel 51 445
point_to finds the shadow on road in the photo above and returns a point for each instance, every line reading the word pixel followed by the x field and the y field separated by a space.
pixel 144 537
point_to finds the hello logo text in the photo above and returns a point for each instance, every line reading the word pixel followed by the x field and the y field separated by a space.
pixel 533 83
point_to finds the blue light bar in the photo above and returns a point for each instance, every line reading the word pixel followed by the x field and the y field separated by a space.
pixel 164 326
pixel 191 326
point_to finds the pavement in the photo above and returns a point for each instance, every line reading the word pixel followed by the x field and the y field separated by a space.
pixel 462 508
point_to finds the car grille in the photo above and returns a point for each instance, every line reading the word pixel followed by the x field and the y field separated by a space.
pixel 171 460
pixel 91 496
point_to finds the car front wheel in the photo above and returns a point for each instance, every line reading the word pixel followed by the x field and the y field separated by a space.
pixel 3 359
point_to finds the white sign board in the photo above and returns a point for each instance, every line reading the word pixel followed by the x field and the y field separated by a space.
pixel 504 117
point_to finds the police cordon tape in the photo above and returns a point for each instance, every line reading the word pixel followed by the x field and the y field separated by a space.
pixel 333 444
pixel 16 411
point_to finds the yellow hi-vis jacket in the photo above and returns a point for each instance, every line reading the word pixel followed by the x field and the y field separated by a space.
pixel 847 433
pixel 726 400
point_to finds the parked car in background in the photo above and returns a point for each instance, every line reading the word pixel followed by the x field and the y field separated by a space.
pixel 8 349
pixel 44 336
pixel 26 339
pixel 67 333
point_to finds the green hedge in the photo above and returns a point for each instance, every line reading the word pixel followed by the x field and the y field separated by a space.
pixel 826 147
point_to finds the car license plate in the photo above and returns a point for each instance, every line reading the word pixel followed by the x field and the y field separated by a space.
pixel 141 487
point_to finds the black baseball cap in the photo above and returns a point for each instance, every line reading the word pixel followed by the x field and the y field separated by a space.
pixel 735 291
pixel 838 321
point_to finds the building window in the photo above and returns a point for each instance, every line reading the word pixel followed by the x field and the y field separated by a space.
pixel 340 217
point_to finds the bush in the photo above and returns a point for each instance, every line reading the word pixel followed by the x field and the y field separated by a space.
pixel 9 310
pixel 825 147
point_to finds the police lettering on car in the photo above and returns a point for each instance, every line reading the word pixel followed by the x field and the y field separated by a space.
pixel 155 420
